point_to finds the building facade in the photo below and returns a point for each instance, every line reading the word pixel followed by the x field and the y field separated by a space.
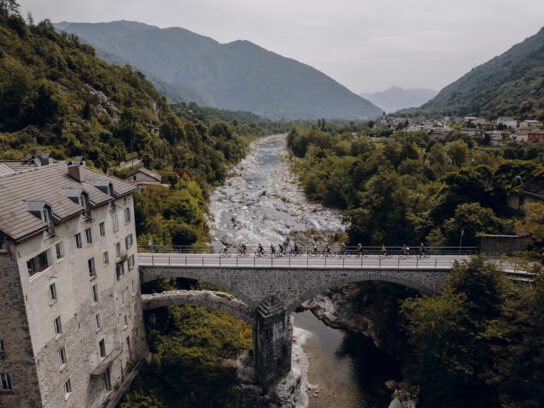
pixel 71 322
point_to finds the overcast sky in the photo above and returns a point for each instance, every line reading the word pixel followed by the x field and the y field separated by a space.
pixel 367 45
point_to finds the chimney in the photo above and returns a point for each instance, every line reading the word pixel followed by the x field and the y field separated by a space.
pixel 74 171
pixel 44 157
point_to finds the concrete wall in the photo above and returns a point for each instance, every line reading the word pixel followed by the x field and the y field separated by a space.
pixel 14 332
pixel 495 245
pixel 77 310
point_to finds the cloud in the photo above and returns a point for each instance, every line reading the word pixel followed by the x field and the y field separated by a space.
pixel 364 44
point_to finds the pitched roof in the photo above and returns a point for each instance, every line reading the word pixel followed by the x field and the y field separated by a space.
pixel 147 172
pixel 50 184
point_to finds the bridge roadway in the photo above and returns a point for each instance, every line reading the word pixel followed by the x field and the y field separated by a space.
pixel 371 262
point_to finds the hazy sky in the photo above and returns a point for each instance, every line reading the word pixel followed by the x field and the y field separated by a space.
pixel 367 45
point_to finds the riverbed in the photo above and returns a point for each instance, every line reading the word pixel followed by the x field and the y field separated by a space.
pixel 262 203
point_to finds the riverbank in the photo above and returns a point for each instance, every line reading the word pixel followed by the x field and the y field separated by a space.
pixel 263 202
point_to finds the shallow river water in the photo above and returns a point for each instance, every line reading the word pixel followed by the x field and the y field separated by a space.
pixel 262 202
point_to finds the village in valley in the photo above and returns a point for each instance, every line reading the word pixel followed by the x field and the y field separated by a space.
pixel 490 132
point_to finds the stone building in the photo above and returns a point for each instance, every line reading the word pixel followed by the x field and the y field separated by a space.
pixel 70 311
pixel 144 177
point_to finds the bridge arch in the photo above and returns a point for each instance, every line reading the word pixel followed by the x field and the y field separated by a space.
pixel 370 276
pixel 216 279
pixel 206 298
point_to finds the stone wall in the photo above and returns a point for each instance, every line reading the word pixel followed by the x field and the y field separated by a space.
pixel 14 332
pixel 496 245
pixel 292 287
pixel 118 306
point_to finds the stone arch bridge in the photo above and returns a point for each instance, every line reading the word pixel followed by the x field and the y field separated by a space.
pixel 266 290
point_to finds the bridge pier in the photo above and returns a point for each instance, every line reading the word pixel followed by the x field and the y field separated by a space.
pixel 272 338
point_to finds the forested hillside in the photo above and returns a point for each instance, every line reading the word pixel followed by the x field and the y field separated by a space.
pixel 470 345
pixel 511 84
pixel 57 96
pixel 237 76
pixel 406 188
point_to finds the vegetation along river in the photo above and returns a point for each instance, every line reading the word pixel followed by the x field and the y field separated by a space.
pixel 262 203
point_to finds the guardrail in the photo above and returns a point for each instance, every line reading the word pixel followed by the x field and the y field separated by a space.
pixel 335 250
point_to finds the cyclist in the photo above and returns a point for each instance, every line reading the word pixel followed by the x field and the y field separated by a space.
pixel 272 250
pixel 422 250
pixel 384 251
pixel 243 249
pixel 359 249
pixel 260 249
pixel 405 250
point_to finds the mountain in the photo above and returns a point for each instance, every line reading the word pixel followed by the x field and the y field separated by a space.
pixel 395 98
pixel 511 84
pixel 236 76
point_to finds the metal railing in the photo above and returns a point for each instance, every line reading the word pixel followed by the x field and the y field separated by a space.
pixel 335 250
pixel 300 262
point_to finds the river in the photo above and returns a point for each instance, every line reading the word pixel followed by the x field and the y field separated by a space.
pixel 262 202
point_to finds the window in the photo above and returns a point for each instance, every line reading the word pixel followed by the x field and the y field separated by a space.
pixel 127 215
pixel 68 387
pixel 2 349
pixel 118 250
pixel 98 321
pixel 115 223
pixel 102 347
pixel 120 270
pixel 126 321
pixel 128 241
pixel 95 293
pixel 79 242
pixel 59 249
pixel 3 242
pixel 5 382
pixel 58 326
pixel 62 356
pixel 38 263
pixel 92 269
pixel 89 236
pixel 131 262
pixel 106 257
pixel 102 229
pixel 106 377
pixel 53 291
pixel 45 215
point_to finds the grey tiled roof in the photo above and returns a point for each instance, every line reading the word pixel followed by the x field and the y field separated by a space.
pixel 48 184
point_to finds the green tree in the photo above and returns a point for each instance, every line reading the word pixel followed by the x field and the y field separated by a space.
pixel 473 219
pixel 458 152
pixel 449 335
pixel 518 372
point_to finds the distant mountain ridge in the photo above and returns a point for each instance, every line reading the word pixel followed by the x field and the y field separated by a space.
pixel 511 84
pixel 395 98
pixel 236 76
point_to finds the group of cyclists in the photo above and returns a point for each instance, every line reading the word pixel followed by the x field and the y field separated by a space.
pixel 286 248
